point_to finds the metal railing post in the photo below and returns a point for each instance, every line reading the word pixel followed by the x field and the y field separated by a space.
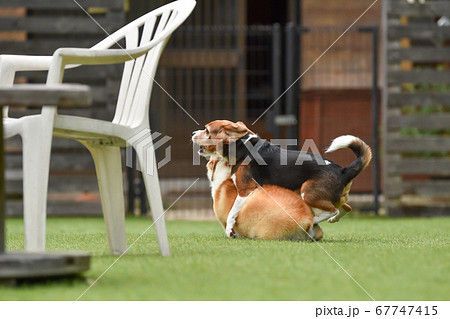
pixel 291 75
pixel 2 187
pixel 375 118
pixel 276 79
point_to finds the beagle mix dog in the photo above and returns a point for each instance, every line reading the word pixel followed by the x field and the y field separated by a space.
pixel 271 212
pixel 322 184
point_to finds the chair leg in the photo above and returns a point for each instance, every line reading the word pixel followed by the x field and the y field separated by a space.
pixel 151 180
pixel 108 166
pixel 37 142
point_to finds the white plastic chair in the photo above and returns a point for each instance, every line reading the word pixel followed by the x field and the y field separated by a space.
pixel 145 39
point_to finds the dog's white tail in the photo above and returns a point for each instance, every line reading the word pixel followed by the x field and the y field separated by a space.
pixel 343 141
pixel 359 148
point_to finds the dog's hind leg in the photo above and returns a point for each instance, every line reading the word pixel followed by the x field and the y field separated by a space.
pixel 347 207
pixel 324 216
pixel 337 217
pixel 329 210
pixel 311 194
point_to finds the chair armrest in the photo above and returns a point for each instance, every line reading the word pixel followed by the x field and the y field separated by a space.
pixel 72 57
pixel 25 62
pixel 10 64
pixel 82 56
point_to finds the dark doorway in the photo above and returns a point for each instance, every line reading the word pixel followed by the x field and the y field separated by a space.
pixel 261 16
pixel 266 12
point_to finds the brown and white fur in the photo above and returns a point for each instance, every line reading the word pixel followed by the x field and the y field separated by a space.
pixel 270 212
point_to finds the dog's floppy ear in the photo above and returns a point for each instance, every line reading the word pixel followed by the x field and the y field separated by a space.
pixel 235 131
pixel 243 125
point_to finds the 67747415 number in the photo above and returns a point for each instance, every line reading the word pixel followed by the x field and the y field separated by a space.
pixel 406 310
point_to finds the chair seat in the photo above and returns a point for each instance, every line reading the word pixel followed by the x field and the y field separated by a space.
pixel 87 129
pixel 75 127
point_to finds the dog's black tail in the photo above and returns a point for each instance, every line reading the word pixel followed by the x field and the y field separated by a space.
pixel 361 150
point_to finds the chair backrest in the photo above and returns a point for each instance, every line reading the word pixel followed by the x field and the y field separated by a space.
pixel 151 33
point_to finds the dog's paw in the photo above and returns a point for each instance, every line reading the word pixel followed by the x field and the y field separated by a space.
pixel 335 218
pixel 230 233
pixel 311 233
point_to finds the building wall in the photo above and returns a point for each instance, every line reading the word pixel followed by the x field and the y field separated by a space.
pixel 340 12
pixel 325 115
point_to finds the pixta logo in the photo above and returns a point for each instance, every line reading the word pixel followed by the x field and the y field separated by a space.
pixel 145 143
pixel 308 152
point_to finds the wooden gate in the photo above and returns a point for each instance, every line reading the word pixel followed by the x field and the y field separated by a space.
pixel 416 107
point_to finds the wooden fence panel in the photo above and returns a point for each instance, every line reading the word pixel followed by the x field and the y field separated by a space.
pixel 418 144
pixel 60 25
pixel 417 32
pixel 416 108
pixel 419 54
pixel 418 98
pixel 433 121
pixel 39 27
pixel 419 76
pixel 430 9
pixel 51 4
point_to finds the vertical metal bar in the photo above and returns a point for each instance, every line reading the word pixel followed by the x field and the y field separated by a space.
pixel 300 30
pixel 375 118
pixel 376 162
pixel 299 47
pixel 241 76
pixel 2 187
pixel 384 158
pixel 291 74
pixel 276 80
pixel 294 13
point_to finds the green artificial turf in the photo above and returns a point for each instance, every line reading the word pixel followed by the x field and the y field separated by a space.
pixel 393 259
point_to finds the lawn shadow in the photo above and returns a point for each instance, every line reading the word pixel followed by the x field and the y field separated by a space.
pixel 44 281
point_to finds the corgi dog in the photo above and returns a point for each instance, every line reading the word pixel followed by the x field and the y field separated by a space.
pixel 270 212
